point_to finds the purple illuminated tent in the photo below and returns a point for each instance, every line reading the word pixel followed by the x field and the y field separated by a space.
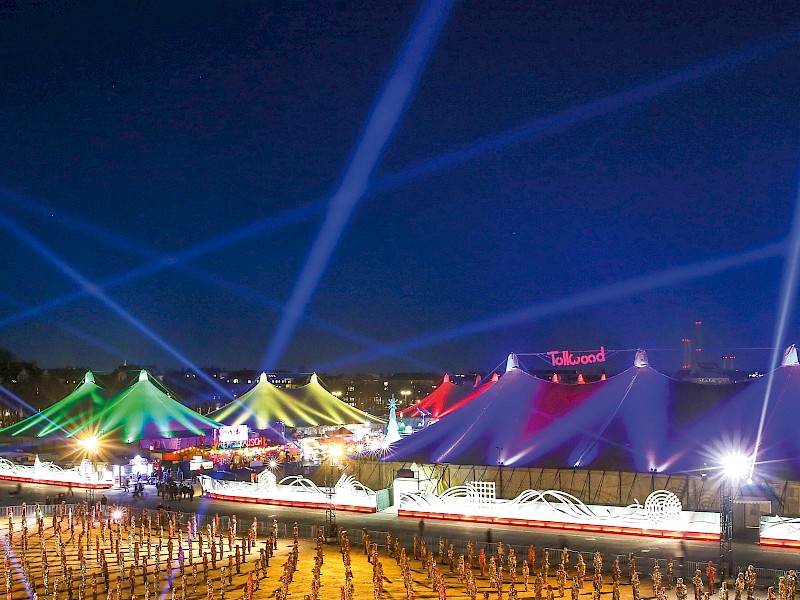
pixel 732 426
pixel 628 422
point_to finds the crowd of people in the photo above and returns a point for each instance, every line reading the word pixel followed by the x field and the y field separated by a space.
pixel 82 551
pixel 167 487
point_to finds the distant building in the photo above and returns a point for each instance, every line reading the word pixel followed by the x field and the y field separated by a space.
pixel 710 373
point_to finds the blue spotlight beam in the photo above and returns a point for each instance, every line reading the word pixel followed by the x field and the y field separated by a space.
pixel 177 262
pixel 4 391
pixel 515 136
pixel 75 332
pixel 575 115
pixel 378 132
pixel 164 262
pixel 788 293
pixel 325 325
pixel 519 135
pixel 604 293
pixel 92 289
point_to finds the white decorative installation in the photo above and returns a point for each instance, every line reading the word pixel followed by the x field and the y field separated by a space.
pixel 348 494
pixel 267 481
pixel 660 516
pixel 84 475
pixel 484 492
pixel 779 531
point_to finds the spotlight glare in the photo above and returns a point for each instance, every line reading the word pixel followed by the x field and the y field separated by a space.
pixel 735 467
pixel 91 444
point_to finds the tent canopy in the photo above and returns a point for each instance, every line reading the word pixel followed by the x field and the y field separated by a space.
pixel 307 406
pixel 65 416
pixel 446 395
pixel 146 410
pixel 639 420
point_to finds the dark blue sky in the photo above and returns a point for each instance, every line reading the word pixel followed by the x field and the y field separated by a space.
pixel 134 133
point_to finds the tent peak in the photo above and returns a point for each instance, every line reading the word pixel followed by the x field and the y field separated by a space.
pixel 89 377
pixel 314 378
pixel 495 377
pixel 446 378
pixel 512 362
pixel 641 359
pixel 790 357
pixel 262 378
pixel 143 376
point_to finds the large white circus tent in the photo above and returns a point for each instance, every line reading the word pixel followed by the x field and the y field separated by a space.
pixel 624 423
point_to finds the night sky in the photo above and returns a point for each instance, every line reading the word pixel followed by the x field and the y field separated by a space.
pixel 166 167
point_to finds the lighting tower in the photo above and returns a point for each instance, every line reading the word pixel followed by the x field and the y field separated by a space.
pixel 734 467
pixel 726 525
pixel 331 529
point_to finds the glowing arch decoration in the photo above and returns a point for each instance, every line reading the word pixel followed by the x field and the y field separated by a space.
pixel 85 475
pixel 661 515
pixel 348 495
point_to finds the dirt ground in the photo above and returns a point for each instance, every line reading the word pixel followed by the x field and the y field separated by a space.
pixel 24 570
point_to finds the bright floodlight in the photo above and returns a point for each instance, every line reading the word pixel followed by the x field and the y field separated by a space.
pixel 735 466
pixel 272 464
pixel 117 514
pixel 335 451
pixel 90 443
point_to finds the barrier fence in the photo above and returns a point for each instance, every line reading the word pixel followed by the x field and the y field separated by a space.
pixel 644 564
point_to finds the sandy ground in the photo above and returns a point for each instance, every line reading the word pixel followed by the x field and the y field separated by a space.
pixel 17 563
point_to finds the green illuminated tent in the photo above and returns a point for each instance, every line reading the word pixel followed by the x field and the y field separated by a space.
pixel 65 416
pixel 147 410
pixel 307 406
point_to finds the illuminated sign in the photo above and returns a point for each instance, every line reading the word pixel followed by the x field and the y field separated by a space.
pixel 237 433
pixel 207 465
pixel 251 443
pixel 565 358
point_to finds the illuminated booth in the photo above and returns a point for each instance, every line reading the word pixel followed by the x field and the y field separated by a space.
pixel 236 447
pixel 287 424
